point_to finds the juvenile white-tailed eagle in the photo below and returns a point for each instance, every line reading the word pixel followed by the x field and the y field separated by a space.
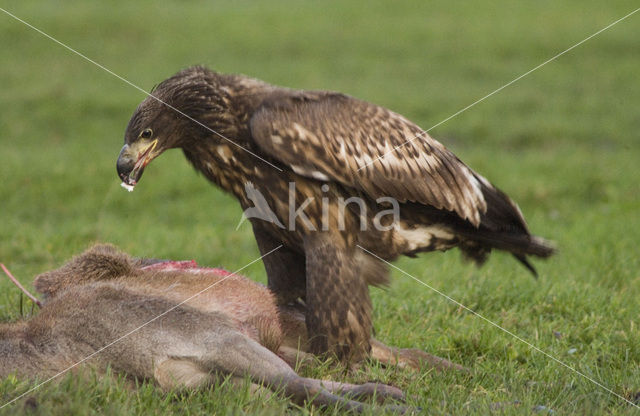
pixel 242 133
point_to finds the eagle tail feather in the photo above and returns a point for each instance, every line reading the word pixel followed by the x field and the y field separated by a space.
pixel 523 259
pixel 520 245
pixel 503 227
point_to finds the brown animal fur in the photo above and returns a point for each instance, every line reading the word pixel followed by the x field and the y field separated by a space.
pixel 187 347
pixel 232 328
pixel 251 306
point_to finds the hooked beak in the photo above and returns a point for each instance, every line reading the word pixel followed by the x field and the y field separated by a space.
pixel 132 161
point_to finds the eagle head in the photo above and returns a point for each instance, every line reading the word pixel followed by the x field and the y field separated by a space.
pixel 178 111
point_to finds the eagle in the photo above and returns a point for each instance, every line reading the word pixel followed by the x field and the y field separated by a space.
pixel 366 184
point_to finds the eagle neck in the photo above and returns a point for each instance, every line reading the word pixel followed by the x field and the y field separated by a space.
pixel 225 152
pixel 225 163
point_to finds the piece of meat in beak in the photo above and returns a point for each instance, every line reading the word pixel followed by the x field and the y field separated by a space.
pixel 133 159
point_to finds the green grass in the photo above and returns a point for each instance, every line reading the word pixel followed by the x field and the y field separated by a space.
pixel 564 142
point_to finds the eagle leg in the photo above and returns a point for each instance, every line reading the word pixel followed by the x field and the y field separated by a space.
pixel 338 312
pixel 285 268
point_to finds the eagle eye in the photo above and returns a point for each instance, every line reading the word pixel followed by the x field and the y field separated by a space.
pixel 146 134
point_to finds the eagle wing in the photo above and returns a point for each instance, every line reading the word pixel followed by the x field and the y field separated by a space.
pixel 331 136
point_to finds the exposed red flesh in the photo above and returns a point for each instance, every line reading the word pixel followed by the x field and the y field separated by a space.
pixel 186 265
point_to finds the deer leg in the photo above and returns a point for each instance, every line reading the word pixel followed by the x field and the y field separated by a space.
pixel 183 374
pixel 295 357
pixel 411 358
pixel 240 356
pixel 380 392
pixel 180 373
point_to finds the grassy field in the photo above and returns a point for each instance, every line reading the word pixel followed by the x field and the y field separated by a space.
pixel 564 142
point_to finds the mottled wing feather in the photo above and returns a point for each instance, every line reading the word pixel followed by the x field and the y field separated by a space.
pixel 329 135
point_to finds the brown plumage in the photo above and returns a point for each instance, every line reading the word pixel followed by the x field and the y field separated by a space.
pixel 244 134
